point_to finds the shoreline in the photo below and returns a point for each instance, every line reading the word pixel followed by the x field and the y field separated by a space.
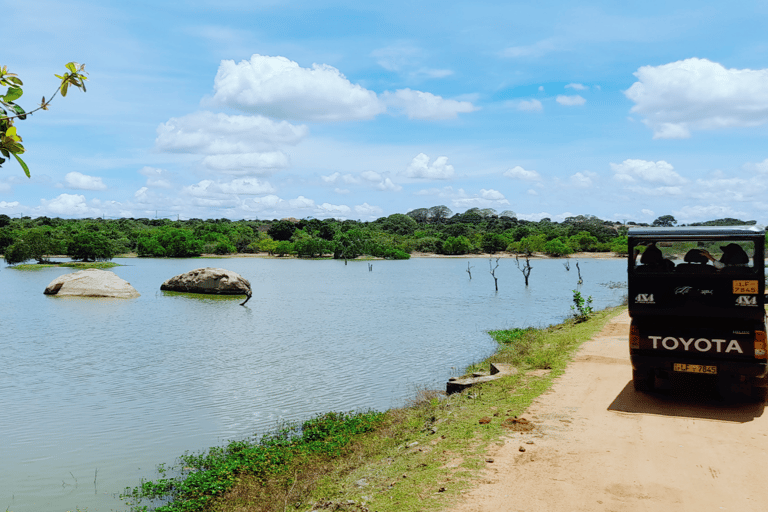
pixel 423 456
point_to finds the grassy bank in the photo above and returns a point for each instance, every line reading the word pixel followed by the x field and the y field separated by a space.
pixel 80 265
pixel 417 458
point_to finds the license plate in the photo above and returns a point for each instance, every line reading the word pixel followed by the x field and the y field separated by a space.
pixel 694 368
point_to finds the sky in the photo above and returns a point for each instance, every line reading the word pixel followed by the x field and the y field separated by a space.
pixel 355 110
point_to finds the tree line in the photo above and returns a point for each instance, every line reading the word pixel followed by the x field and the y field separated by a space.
pixel 425 230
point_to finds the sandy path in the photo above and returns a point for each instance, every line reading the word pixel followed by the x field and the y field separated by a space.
pixel 600 446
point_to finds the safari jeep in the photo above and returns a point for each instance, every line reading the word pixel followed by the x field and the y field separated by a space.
pixel 696 298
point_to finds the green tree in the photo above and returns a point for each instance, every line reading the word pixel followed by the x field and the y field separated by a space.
pixel 666 221
pixel 493 242
pixel 457 245
pixel 282 230
pixel 10 140
pixel 35 243
pixel 557 247
pixel 398 224
pixel 583 241
pixel 620 245
pixel 90 246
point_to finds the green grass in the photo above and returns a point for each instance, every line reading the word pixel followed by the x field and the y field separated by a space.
pixel 203 296
pixel 416 458
pixel 70 264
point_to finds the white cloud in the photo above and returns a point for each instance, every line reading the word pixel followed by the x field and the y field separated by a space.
pixel 214 134
pixel 335 209
pixel 240 186
pixel 459 198
pixel 662 172
pixel 583 179
pixel 698 94
pixel 8 205
pixel 366 210
pixel 694 213
pixel 491 194
pixel 337 176
pixel 657 191
pixel 420 167
pixel 158 178
pixel 264 163
pixel 518 173
pixel 647 213
pixel 425 105
pixel 530 105
pixel 280 88
pixel 541 88
pixel 439 192
pixel 570 101
pixel 80 181
pixel 69 205
pixel 301 202
pixel 761 167
pixel 577 87
pixel 380 182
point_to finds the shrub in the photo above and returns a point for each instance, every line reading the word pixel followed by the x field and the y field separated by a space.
pixel 457 245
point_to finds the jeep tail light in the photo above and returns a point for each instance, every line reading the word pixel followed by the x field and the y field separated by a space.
pixel 634 338
pixel 760 345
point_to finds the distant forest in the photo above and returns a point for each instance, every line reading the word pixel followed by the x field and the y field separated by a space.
pixel 425 230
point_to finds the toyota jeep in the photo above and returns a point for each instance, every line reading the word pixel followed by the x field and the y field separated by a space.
pixel 696 298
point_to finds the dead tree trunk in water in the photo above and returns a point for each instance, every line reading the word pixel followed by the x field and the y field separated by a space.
pixel 525 269
pixel 468 271
pixel 493 272
pixel 581 281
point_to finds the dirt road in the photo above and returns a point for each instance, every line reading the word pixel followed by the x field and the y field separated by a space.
pixel 600 446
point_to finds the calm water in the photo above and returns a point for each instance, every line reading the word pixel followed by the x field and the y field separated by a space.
pixel 94 393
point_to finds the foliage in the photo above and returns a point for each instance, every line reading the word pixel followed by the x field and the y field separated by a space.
pixel 169 243
pixel 557 247
pixel 202 478
pixel 457 245
pixel 311 247
pixel 493 242
pixel 90 246
pixel 10 111
pixel 283 248
pixel 665 221
pixel 282 230
pixel 35 243
pixel 582 308
pixel 398 224
pixel 620 245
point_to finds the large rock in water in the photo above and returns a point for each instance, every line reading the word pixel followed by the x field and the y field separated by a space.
pixel 92 283
pixel 209 280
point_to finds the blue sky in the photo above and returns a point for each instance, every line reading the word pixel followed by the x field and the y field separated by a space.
pixel 262 110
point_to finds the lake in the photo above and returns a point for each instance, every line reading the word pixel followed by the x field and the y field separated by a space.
pixel 94 393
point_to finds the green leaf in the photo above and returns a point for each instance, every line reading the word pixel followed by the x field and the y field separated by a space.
pixel 19 111
pixel 15 80
pixel 11 132
pixel 71 67
pixel 64 86
pixel 2 161
pixel 13 93
pixel 23 165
